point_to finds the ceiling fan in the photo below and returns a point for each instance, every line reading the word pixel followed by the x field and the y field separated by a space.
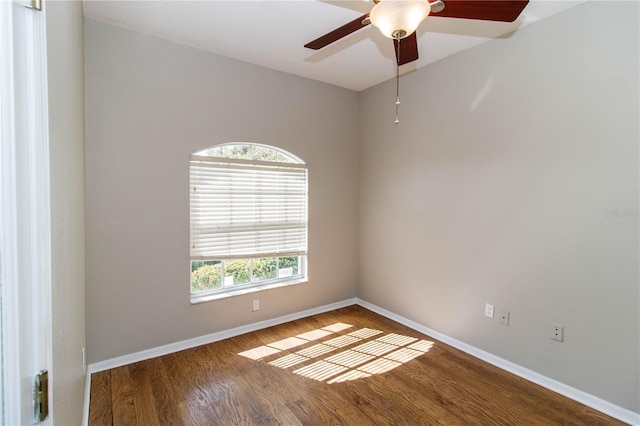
pixel 399 19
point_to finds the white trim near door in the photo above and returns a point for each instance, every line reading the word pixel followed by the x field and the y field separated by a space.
pixel 10 343
pixel 24 210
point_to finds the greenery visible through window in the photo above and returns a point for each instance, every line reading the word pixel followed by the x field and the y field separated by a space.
pixel 248 152
pixel 248 206
pixel 215 274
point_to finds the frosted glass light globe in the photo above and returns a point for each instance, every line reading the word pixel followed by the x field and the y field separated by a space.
pixel 399 18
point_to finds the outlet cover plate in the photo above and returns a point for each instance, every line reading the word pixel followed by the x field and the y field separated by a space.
pixel 503 316
pixel 557 332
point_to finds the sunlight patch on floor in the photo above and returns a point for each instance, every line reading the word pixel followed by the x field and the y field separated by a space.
pixel 403 355
pixel 379 366
pixel 349 358
pixel 342 341
pixel 375 348
pixel 422 346
pixel 316 350
pixel 339 326
pixel 314 335
pixel 289 361
pixel 364 333
pixel 259 352
pixel 349 375
pixel 320 370
pixel 292 342
pixel 397 339
pixel 288 343
pixel 368 357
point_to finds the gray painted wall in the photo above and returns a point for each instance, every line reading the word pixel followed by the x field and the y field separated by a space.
pixel 495 188
pixel 65 63
pixel 149 104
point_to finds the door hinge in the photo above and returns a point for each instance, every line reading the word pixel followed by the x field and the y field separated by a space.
pixel 41 396
pixel 34 4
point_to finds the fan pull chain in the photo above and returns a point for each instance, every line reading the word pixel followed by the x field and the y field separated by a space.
pixel 397 120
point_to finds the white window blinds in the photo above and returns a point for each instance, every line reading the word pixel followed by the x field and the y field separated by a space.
pixel 247 209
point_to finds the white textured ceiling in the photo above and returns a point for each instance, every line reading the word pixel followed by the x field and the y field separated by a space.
pixel 272 33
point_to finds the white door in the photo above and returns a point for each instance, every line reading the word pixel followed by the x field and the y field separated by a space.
pixel 25 260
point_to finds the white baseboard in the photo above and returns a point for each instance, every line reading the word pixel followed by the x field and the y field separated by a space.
pixel 197 341
pixel 210 338
pixel 587 399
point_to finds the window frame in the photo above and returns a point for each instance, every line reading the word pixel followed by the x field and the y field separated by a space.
pixel 204 158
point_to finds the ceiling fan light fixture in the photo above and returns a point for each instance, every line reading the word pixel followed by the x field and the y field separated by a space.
pixel 398 19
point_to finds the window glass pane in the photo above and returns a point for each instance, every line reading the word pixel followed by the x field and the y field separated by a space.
pixel 235 151
pixel 205 275
pixel 208 275
pixel 237 272
pixel 288 266
pixel 228 151
pixel 247 152
pixel 260 153
pixel 246 208
pixel 264 269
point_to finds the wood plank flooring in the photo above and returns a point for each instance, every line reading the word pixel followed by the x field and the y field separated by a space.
pixel 346 367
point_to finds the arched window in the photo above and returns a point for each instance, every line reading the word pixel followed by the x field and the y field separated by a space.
pixel 248 209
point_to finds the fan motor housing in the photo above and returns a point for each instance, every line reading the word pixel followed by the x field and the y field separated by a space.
pixel 436 7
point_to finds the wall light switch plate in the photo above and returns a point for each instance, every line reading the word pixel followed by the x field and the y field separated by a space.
pixel 488 310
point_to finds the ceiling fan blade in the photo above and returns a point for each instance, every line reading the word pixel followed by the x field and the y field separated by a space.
pixel 338 33
pixel 486 10
pixel 408 49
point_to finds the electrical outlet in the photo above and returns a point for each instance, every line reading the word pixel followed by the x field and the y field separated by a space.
pixel 503 316
pixel 557 332
pixel 256 305
pixel 488 310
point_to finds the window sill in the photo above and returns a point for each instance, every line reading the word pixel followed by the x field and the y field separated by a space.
pixel 202 298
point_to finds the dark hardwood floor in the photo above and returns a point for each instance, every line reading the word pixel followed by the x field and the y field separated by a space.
pixel 349 366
